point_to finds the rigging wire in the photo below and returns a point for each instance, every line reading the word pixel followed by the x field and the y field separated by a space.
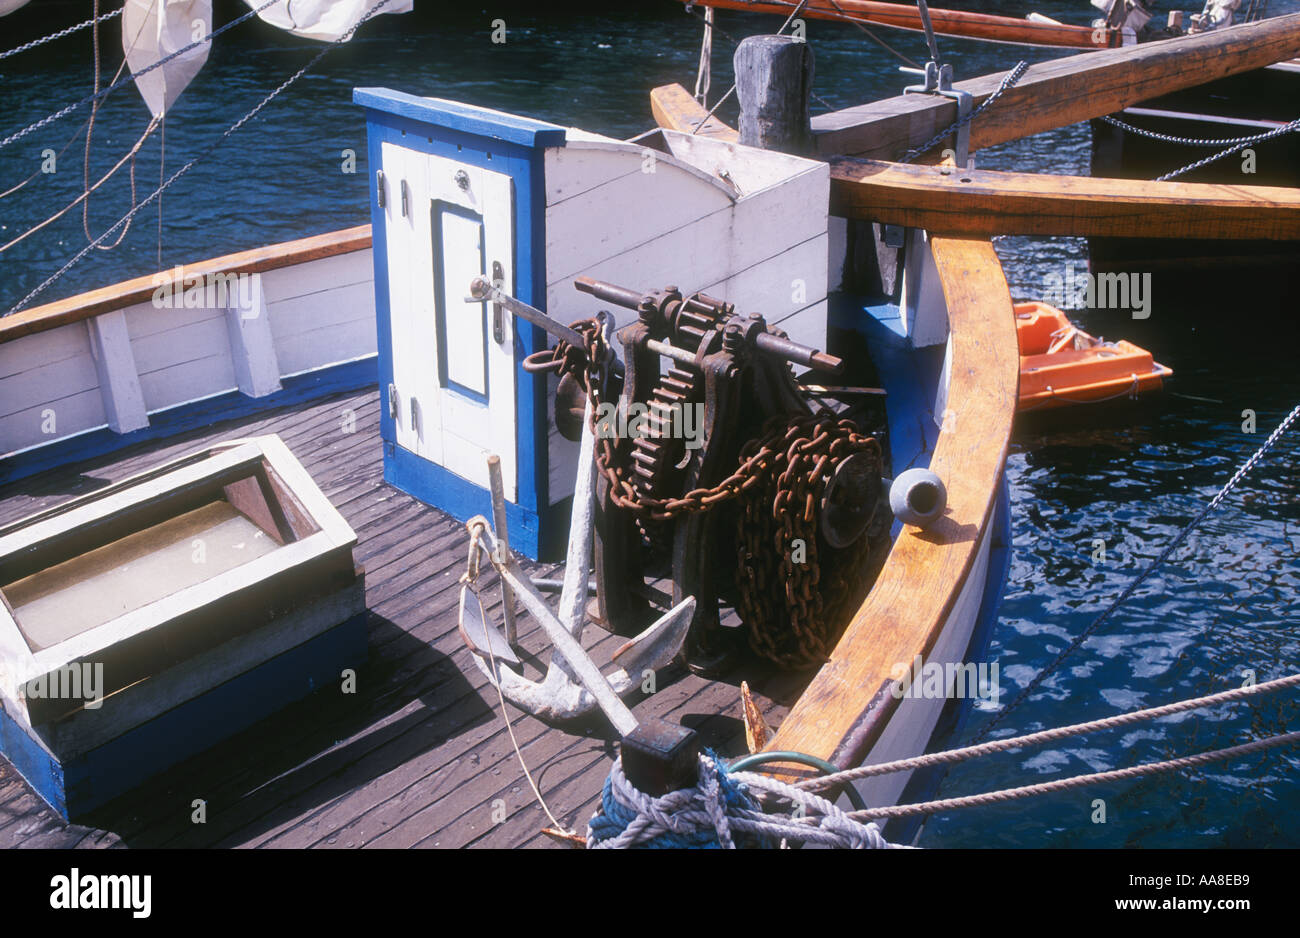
pixel 87 188
pixel 1137 581
pixel 202 154
pixel 94 21
pixel 100 95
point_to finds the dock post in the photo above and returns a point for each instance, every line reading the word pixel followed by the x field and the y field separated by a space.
pixel 774 76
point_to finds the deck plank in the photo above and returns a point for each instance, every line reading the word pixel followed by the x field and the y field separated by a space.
pixel 419 755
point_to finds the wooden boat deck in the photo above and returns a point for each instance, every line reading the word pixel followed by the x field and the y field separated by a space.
pixel 419 756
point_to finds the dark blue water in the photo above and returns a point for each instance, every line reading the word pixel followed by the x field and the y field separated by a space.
pixel 1226 605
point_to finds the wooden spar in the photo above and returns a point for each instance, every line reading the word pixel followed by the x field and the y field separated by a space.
pixel 984 203
pixel 945 22
pixel 843 711
pixel 1059 92
pixel 120 295
pixel 674 108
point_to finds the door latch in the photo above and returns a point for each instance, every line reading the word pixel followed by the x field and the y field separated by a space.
pixel 498 314
pixel 406 199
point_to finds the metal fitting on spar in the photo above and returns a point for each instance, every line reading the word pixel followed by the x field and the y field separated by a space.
pixel 918 497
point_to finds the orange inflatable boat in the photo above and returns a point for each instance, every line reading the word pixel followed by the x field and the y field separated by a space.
pixel 1061 365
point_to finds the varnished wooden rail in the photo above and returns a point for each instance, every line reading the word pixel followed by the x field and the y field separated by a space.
pixel 985 203
pixel 848 704
pixel 1059 92
pixel 128 293
pixel 963 23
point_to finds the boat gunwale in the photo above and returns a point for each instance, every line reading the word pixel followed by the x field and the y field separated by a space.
pixel 831 720
pixel 92 303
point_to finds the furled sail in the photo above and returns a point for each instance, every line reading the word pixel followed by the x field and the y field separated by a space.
pixel 326 20
pixel 152 30
pixel 8 6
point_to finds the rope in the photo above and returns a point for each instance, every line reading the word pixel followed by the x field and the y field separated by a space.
pixel 1123 597
pixel 1284 129
pixel 1045 736
pixel 721 812
pixel 704 74
pixel 94 21
pixel 1076 781
pixel 467 581
pixel 1007 83
pixel 130 155
pixel 203 154
pixel 732 90
pixel 100 95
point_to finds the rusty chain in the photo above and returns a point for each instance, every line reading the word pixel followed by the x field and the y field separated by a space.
pixel 779 518
pixel 781 478
pixel 584 365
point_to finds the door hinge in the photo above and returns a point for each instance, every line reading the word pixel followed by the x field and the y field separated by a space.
pixel 380 185
pixel 392 401
pixel 406 199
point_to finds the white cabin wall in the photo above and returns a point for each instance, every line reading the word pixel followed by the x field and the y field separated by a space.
pixel 681 227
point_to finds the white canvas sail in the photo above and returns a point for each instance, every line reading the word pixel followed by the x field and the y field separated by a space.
pixel 8 6
pixel 326 20
pixel 152 30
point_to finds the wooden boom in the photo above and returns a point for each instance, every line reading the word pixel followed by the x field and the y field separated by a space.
pixel 1059 92
pixel 945 22
pixel 983 203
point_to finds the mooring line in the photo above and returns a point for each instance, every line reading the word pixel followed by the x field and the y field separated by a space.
pixel 1128 591
pixel 1033 739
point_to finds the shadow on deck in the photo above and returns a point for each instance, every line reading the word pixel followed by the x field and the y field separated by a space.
pixel 419 755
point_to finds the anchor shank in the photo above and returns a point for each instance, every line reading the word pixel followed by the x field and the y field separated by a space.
pixel 566 644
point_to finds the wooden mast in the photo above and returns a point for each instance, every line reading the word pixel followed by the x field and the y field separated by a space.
pixel 946 22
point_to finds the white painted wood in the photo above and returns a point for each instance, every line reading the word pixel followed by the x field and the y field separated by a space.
pixel 49 388
pixel 334 533
pixel 446 425
pixel 572 170
pixel 328 345
pixel 317 278
pixel 836 252
pixel 252 346
pixel 618 215
pixel 465 324
pixel 119 383
pixel 747 170
pixel 182 354
pixel 925 311
pixel 130 707
pixel 320 313
pixel 414 339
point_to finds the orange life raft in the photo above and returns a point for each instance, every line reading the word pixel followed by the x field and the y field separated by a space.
pixel 1061 365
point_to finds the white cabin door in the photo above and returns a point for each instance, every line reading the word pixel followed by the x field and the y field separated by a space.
pixel 453 372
